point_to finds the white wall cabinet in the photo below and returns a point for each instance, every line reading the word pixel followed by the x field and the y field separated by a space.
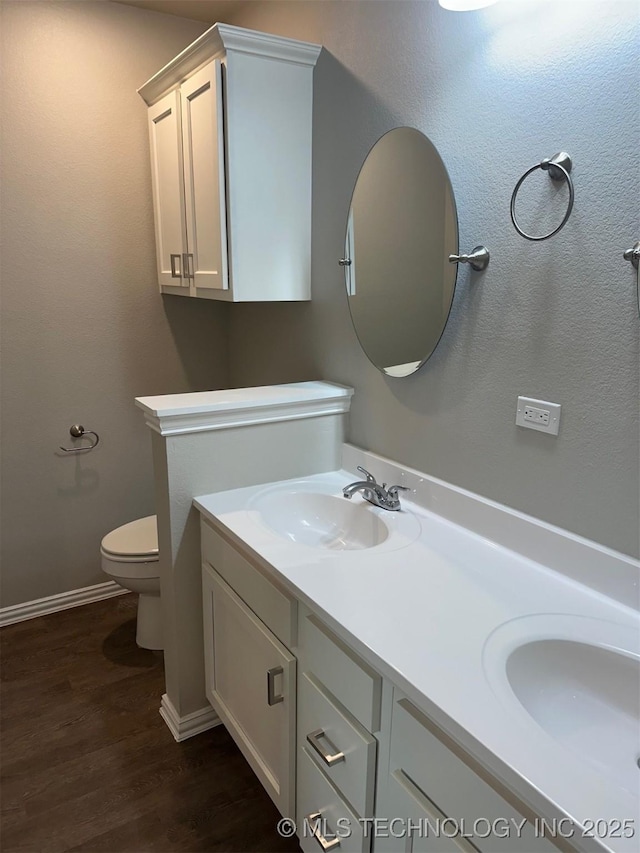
pixel 187 169
pixel 230 122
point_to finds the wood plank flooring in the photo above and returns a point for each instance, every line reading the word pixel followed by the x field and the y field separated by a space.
pixel 87 764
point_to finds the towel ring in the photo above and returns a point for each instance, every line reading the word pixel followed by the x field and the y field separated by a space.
pixel 559 167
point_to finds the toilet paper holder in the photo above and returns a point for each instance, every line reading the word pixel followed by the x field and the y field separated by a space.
pixel 78 431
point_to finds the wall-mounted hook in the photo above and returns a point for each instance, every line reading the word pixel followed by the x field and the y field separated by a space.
pixel 633 254
pixel 478 258
pixel 78 431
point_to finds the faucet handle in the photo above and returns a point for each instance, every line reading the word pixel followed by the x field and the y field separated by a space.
pixel 392 491
pixel 370 477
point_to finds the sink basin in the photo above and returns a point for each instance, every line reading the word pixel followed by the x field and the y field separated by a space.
pixel 315 514
pixel 579 680
pixel 323 521
pixel 585 696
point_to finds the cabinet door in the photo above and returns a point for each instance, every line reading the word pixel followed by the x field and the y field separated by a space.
pixel 251 684
pixel 412 822
pixel 168 196
pixel 204 177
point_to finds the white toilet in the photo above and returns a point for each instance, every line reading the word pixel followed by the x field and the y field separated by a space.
pixel 130 558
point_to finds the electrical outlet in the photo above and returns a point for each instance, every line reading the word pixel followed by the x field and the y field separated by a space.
pixel 538 414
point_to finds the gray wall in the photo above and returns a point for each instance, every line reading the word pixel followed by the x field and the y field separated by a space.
pixel 496 91
pixel 84 329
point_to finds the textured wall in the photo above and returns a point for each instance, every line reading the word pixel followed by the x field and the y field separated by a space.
pixel 496 91
pixel 84 329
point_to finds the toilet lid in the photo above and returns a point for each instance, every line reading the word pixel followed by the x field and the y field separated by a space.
pixel 138 538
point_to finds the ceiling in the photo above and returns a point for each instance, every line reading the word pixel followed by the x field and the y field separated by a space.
pixel 200 10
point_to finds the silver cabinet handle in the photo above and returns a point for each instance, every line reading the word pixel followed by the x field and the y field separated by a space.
pixel 314 821
pixel 272 674
pixel 175 271
pixel 329 758
pixel 187 265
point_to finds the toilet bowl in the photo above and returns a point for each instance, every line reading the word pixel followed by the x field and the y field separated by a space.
pixel 130 558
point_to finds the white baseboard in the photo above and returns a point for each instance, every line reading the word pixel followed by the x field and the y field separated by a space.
pixel 189 725
pixel 62 601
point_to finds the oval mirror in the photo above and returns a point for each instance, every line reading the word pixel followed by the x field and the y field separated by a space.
pixel 402 227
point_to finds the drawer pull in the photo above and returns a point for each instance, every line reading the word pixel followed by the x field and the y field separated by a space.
pixel 272 674
pixel 329 758
pixel 314 821
pixel 187 265
pixel 175 271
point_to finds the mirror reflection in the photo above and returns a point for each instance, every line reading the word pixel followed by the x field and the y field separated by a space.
pixel 402 227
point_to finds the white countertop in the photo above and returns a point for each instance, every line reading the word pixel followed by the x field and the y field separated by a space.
pixel 426 614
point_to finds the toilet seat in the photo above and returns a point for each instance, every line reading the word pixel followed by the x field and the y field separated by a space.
pixel 133 548
pixel 135 542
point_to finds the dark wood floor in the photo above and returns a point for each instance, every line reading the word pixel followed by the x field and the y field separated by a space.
pixel 89 765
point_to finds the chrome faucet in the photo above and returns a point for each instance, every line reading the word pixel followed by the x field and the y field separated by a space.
pixel 376 494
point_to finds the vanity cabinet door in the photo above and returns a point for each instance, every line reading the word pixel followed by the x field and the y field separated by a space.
pixel 411 820
pixel 251 683
pixel 168 193
pixel 455 792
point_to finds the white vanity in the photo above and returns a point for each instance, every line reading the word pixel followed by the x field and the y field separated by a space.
pixel 444 678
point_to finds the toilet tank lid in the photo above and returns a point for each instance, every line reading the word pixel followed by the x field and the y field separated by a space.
pixel 138 538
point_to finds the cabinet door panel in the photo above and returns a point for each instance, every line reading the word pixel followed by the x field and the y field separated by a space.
pixel 203 146
pixel 168 196
pixel 460 788
pixel 251 683
pixel 413 822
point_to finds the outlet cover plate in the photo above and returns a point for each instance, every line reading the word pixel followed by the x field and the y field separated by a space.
pixel 539 415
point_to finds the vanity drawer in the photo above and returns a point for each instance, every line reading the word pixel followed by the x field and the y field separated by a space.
pixel 350 679
pixel 456 786
pixel 326 732
pixel 320 805
pixel 271 604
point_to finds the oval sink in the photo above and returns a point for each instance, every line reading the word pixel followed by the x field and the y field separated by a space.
pixel 585 696
pixel 578 678
pixel 322 521
pixel 313 513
